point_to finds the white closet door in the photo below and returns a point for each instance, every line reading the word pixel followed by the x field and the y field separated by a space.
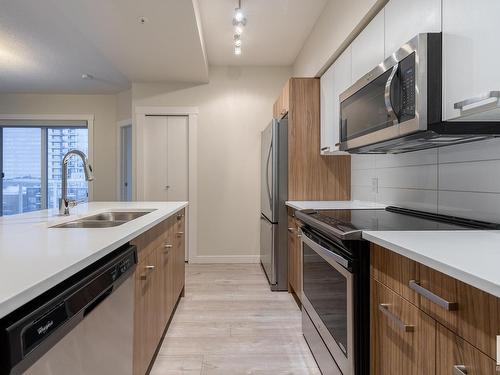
pixel 155 158
pixel 166 158
pixel 177 158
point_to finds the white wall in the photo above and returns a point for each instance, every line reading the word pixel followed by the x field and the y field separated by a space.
pixel 124 105
pixel 233 109
pixel 337 26
pixel 461 180
pixel 103 107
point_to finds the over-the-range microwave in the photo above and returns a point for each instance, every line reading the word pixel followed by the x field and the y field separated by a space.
pixel 397 106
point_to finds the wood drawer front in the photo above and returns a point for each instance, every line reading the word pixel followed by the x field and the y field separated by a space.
pixel 456 356
pixel 477 315
pixel 396 350
pixel 394 271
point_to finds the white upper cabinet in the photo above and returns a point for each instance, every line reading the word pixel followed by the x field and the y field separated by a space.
pixel 333 82
pixel 406 18
pixel 470 59
pixel 368 47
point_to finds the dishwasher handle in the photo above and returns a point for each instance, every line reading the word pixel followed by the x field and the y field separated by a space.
pixel 97 301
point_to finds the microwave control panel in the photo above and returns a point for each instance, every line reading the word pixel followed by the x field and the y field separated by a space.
pixel 407 82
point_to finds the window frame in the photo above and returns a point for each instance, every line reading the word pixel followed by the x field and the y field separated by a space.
pixel 66 121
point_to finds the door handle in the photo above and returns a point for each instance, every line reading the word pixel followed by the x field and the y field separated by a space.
pixel 475 102
pixel 267 174
pixel 384 309
pixel 450 306
pixel 387 95
pixel 459 370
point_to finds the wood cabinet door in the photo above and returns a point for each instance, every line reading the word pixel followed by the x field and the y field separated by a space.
pixel 455 356
pixel 470 312
pixel 179 254
pixel 403 338
pixel 146 320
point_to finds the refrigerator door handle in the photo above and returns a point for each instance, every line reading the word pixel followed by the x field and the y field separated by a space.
pixel 267 176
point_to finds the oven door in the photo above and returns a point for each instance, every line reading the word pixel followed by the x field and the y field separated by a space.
pixel 328 299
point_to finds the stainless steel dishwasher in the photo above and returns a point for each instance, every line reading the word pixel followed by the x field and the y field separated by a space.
pixel 83 326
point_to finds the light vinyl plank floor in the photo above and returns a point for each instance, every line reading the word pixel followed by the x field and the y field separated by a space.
pixel 230 323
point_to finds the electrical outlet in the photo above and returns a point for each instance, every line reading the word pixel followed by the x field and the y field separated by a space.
pixel 374 185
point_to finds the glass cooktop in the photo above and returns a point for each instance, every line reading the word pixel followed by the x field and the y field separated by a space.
pixel 350 223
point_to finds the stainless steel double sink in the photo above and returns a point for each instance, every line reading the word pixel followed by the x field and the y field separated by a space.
pixel 106 219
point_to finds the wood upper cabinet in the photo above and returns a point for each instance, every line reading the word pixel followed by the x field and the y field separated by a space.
pixel 312 176
pixel 403 338
pixel 457 357
pixel 282 104
pixel 294 257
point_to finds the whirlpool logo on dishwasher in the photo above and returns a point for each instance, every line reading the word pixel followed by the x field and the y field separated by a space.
pixel 41 330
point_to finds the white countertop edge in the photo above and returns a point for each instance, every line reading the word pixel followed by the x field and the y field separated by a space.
pixel 468 278
pixel 14 302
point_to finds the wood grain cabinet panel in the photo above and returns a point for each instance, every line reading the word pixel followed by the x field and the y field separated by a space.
pixel 403 338
pixel 394 271
pixel 159 280
pixel 474 314
pixel 457 357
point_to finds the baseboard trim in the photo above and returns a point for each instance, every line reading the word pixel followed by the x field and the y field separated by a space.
pixel 199 259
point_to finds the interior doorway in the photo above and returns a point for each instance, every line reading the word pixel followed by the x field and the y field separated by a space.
pixel 126 163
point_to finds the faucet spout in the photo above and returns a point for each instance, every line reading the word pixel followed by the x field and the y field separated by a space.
pixel 64 203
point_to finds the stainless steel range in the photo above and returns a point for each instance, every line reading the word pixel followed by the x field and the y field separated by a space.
pixel 335 274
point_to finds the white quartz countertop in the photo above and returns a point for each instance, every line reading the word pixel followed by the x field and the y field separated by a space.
pixel 35 257
pixel 333 205
pixel 471 256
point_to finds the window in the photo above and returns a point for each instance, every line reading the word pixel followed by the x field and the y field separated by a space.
pixel 30 160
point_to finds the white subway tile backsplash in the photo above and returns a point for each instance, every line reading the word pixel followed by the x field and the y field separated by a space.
pixel 461 180
pixel 362 177
pixel 484 150
pixel 411 158
pixel 411 177
pixel 359 161
pixel 483 176
pixel 425 200
pixel 479 206
pixel 363 193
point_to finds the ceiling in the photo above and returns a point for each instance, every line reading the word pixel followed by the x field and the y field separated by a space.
pixel 275 32
pixel 46 46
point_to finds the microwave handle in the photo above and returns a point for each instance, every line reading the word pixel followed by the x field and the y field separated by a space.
pixel 387 95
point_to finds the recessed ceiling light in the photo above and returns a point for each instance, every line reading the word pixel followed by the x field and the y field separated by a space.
pixel 238 15
pixel 143 20
pixel 87 76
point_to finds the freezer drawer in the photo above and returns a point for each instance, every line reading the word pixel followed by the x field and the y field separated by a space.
pixel 268 245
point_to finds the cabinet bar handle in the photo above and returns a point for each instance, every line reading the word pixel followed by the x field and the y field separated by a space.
pixel 180 233
pixel 478 99
pixel 384 308
pixel 459 370
pixel 290 230
pixel 168 246
pixel 150 268
pixel 450 306
pixel 180 216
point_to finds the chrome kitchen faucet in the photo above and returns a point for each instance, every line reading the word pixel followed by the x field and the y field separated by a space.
pixel 64 203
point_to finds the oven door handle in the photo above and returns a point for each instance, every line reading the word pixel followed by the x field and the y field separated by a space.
pixel 325 253
pixel 387 95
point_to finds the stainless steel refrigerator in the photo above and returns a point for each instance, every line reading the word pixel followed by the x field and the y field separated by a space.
pixel 274 193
